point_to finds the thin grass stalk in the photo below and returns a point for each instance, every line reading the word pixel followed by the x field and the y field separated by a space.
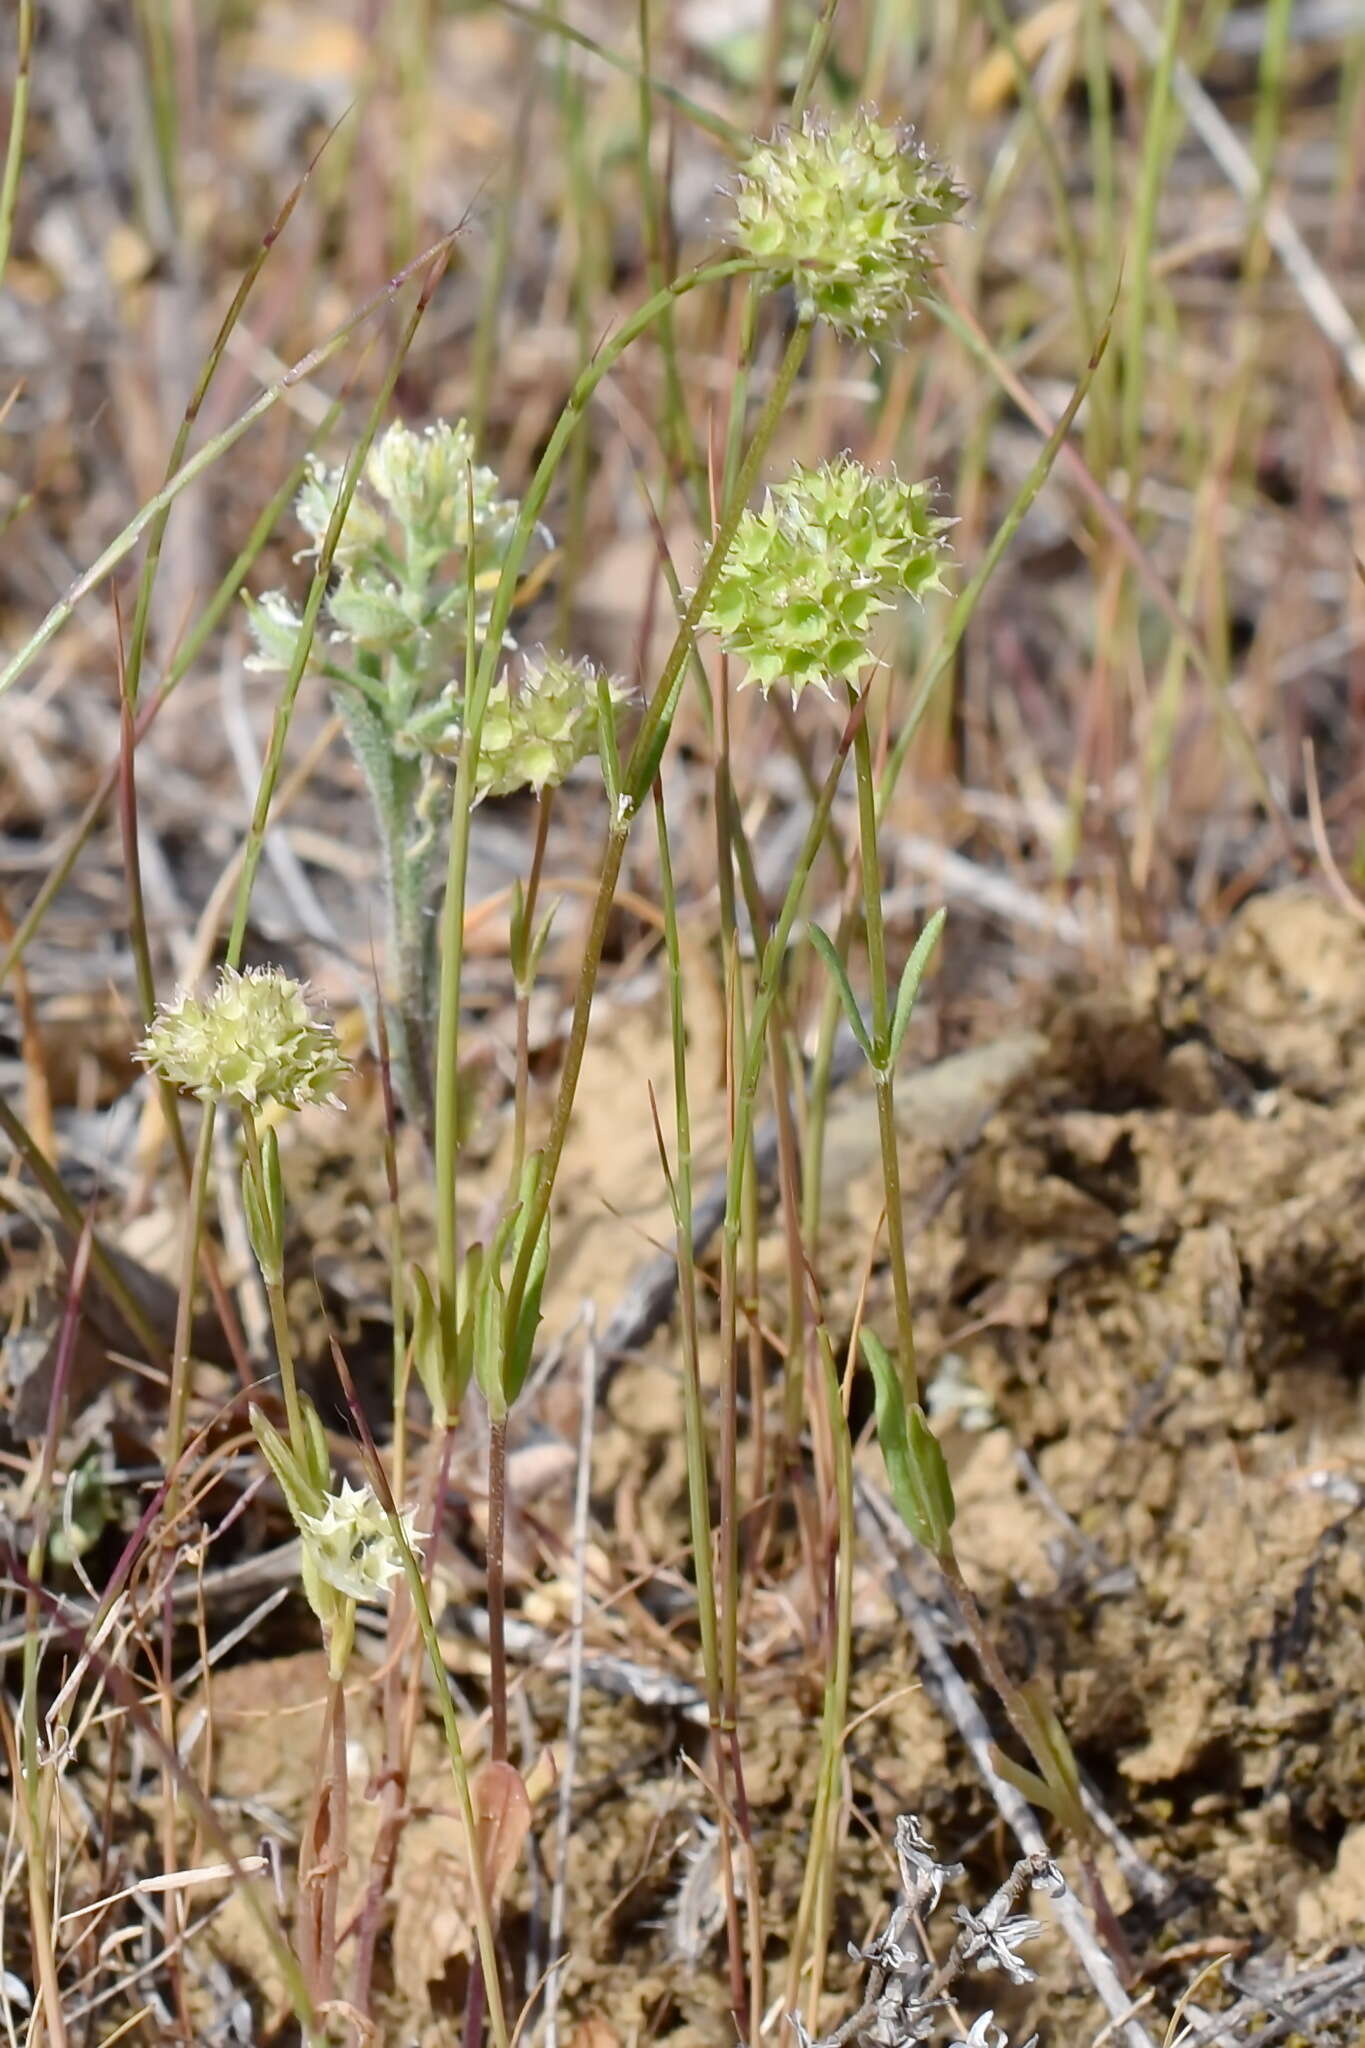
pixel 1063 213
pixel 1157 140
pixel 56 1193
pixel 417 1592
pixel 457 868
pixel 494 280
pixel 154 18
pixel 1228 434
pixel 681 1198
pixel 817 50
pixel 59 870
pixel 814 1913
pixel 881 1031
pixel 637 777
pixel 702 117
pixel 18 126
pixel 676 431
pixel 1101 421
pixel 203 460
pixel 587 289
pixel 960 614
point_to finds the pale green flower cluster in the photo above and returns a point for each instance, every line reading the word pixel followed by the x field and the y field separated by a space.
pixel 843 212
pixel 807 575
pixel 350 1547
pixel 252 1042
pixel 423 519
pixel 541 721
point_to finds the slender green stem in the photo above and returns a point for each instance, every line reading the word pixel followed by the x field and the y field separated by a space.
pixel 765 995
pixel 459 1771
pixel 457 868
pixel 881 1033
pixel 524 970
pixel 18 121
pixel 496 1602
pixel 694 1415
pixel 638 776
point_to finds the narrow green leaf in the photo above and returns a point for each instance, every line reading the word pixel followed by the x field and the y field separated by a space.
pixel 426 1347
pixel 608 751
pixel 908 992
pixel 488 1366
pixel 929 1469
pixel 914 1463
pixel 260 1228
pixel 825 947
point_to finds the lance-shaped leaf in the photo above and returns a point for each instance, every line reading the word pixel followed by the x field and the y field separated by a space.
pixel 828 952
pixel 263 1206
pixel 915 1465
pixel 908 992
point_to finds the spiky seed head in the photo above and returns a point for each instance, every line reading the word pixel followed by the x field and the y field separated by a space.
pixel 844 211
pixel 809 573
pixel 254 1041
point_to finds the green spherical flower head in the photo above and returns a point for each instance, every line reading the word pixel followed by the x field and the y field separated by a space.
pixel 252 1042
pixel 807 576
pixel 843 211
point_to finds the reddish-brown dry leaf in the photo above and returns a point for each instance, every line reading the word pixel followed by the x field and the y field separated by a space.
pixel 502 1811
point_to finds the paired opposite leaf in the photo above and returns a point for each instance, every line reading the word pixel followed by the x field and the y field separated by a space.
pixel 882 1058
pixel 908 992
pixel 825 947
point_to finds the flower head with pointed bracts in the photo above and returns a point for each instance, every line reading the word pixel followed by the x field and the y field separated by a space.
pixel 351 1545
pixel 808 574
pixel 253 1041
pixel 541 720
pixel 843 211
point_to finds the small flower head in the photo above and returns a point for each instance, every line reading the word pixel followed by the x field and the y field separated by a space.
pixel 540 721
pixel 430 482
pixel 843 210
pixel 806 576
pixel 351 1545
pixel 253 1041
